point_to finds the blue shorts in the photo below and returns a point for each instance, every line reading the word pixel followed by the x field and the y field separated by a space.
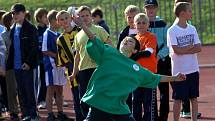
pixel 186 89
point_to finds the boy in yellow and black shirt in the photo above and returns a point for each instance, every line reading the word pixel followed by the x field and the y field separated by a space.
pixel 65 55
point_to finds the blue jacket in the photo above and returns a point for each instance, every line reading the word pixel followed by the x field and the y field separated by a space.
pixel 159 28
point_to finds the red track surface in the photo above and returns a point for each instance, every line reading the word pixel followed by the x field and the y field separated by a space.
pixel 207 89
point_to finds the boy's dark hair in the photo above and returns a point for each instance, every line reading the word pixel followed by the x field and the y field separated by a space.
pixel 181 6
pixel 7 18
pixel 137 43
pixel 97 12
pixel 82 8
pixel 18 7
pixel 52 15
pixel 2 12
pixel 39 13
pixel 28 15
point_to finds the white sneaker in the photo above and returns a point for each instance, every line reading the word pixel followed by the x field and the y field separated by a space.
pixel 42 105
pixel 185 115
pixel 65 104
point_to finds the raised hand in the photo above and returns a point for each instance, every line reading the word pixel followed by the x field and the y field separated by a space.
pixel 180 77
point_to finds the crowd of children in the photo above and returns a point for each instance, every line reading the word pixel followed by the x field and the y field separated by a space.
pixel 36 62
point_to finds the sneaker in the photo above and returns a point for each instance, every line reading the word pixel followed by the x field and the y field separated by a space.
pixel 51 117
pixel 65 104
pixel 42 105
pixel 27 118
pixel 199 115
pixel 185 115
pixel 63 117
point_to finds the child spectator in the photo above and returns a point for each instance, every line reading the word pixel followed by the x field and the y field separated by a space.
pixel 107 101
pixel 145 96
pixel 10 76
pixel 40 15
pixel 97 16
pixel 2 71
pixel 2 12
pixel 184 45
pixel 23 58
pixel 82 62
pixel 159 27
pixel 65 56
pixel 129 14
pixel 54 76
pixel 185 112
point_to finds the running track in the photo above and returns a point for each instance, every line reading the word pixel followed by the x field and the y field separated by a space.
pixel 207 89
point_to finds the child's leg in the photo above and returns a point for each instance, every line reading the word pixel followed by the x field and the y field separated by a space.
pixel 194 103
pixel 59 98
pixel 49 96
pixel 176 109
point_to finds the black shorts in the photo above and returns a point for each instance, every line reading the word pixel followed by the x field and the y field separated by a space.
pixel 186 89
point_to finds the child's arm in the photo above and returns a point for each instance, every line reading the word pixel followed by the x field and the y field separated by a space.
pixel 75 67
pixel 190 49
pixel 179 77
pixel 49 53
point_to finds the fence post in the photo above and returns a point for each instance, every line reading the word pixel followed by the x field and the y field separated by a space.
pixel 115 7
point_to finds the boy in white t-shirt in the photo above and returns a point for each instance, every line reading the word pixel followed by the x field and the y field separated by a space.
pixel 184 44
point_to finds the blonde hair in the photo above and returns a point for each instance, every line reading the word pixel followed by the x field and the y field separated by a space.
pixel 142 16
pixel 181 6
pixel 189 1
pixel 61 13
pixel 131 9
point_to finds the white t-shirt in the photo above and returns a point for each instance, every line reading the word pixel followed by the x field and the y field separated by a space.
pixel 186 63
pixel 132 31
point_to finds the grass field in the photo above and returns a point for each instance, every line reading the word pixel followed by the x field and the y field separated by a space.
pixel 203 12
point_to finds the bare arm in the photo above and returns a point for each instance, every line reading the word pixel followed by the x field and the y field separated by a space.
pixel 49 53
pixel 75 67
pixel 179 77
pixel 190 49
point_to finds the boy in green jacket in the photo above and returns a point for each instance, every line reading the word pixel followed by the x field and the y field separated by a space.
pixel 115 77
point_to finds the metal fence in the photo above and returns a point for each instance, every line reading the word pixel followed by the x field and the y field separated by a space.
pixel 203 15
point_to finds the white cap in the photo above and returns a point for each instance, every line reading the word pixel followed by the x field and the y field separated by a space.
pixel 72 10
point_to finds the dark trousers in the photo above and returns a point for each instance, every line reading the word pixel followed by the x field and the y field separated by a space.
pixel 4 92
pixel 147 98
pixel 83 77
pixel 43 88
pixel 98 115
pixel 76 99
pixel 186 105
pixel 25 87
pixel 129 101
pixel 164 101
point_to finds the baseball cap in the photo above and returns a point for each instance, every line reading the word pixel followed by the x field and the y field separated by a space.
pixel 18 7
pixel 150 2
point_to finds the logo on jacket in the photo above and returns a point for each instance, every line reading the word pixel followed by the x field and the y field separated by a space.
pixel 136 67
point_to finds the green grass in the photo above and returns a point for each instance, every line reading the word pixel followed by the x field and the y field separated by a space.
pixel 205 23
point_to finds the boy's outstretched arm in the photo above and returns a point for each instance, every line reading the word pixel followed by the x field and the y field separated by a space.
pixel 178 78
pixel 80 23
